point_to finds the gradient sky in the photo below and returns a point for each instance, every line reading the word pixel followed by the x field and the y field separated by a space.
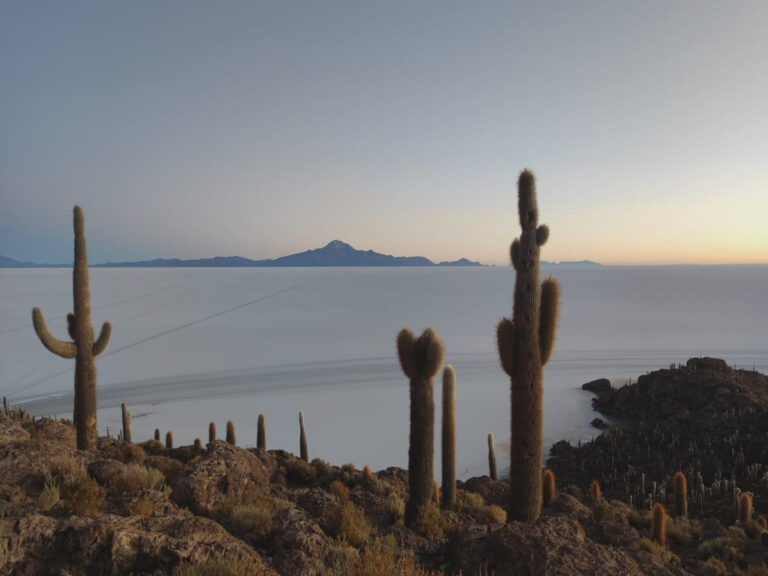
pixel 195 129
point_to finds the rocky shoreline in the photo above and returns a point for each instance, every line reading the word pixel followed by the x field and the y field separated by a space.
pixel 146 509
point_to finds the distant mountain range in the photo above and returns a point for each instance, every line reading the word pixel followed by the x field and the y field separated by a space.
pixel 335 253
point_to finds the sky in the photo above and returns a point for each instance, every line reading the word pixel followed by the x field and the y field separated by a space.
pixel 195 129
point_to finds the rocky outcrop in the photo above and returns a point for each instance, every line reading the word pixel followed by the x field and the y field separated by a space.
pixel 299 544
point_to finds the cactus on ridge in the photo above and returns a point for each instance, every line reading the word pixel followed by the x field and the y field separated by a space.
pixel 492 472
pixel 261 434
pixel 745 507
pixel 680 488
pixel 169 440
pixel 548 492
pixel 303 438
pixel 420 359
pixel 659 524
pixel 525 345
pixel 594 491
pixel 157 434
pixel 211 432
pixel 449 438
pixel 230 432
pixel 126 423
pixel 198 446
pixel 83 348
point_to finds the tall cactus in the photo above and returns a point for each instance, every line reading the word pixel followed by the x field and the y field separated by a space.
pixel 230 432
pixel 302 438
pixel 83 347
pixel 449 437
pixel 126 423
pixel 525 345
pixel 261 433
pixel 420 359
pixel 492 472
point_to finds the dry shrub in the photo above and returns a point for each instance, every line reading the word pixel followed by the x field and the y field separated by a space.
pixel 251 521
pixel 169 467
pixel 153 446
pixel 133 478
pixel 85 497
pixel 574 491
pixel 347 523
pixel 67 470
pixel 431 523
pixel 222 567
pixel 125 452
pixel 323 471
pixel 395 507
pixel 142 507
pixel 299 471
pixel 380 559
pixel 715 567
pixel 340 491
pixel 756 570
pixel 474 505
pixel 49 497
pixel 640 519
pixel 679 530
pixel 654 549
pixel 349 475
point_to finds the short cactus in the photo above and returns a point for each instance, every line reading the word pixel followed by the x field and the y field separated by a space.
pixel 594 491
pixel 659 524
pixel 83 348
pixel 745 507
pixel 6 406
pixel 198 447
pixel 680 488
pixel 169 440
pixel 548 491
pixel 420 359
pixel 525 346
pixel 157 434
pixel 449 437
pixel 212 432
pixel 303 438
pixel 261 434
pixel 492 472
pixel 126 423
pixel 230 432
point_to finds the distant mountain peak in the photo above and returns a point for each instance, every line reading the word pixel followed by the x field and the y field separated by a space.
pixel 337 245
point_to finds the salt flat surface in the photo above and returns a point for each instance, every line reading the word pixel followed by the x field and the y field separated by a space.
pixel 191 346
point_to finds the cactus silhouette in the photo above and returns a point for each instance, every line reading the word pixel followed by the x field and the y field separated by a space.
pixel 303 438
pixel 126 423
pixel 420 359
pixel 6 406
pixel 525 345
pixel 169 440
pixel 492 472
pixel 449 437
pixel 198 447
pixel 659 524
pixel 594 491
pixel 745 507
pixel 211 432
pixel 548 492
pixel 261 434
pixel 680 488
pixel 157 434
pixel 83 347
pixel 230 432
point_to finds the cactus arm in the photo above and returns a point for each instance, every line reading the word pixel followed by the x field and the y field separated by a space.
pixel 505 337
pixel 405 344
pixel 58 347
pixel 101 343
pixel 514 253
pixel 550 294
pixel 71 325
pixel 542 234
pixel 429 352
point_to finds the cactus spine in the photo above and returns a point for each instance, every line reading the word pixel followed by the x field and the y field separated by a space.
pixel 659 524
pixel 449 437
pixel 420 359
pixel 230 432
pixel 261 435
pixel 548 492
pixel 211 432
pixel 492 458
pixel 169 440
pixel 83 347
pixel 745 507
pixel 525 345
pixel 680 488
pixel 303 438
pixel 126 423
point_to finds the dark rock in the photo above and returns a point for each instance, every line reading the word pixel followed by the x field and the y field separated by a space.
pixel 599 386
pixel 599 423
pixel 707 363
pixel 300 545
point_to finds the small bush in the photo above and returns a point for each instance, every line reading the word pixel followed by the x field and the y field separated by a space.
pixel 349 475
pixel 299 471
pixel 323 471
pixel 600 511
pixel 431 523
pixel 49 497
pixel 222 567
pixel 142 507
pixel 494 514
pixel 347 523
pixel 679 531
pixel 716 567
pixel 251 520
pixel 67 470
pixel 380 559
pixel 134 478
pixel 85 497
pixel 340 491
pixel 395 507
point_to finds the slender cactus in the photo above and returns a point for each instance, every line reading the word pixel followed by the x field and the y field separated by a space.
pixel 126 423
pixel 420 359
pixel 449 437
pixel 594 491
pixel 261 434
pixel 157 434
pixel 680 488
pixel 169 440
pixel 549 491
pixel 230 432
pixel 525 345
pixel 659 524
pixel 6 406
pixel 211 432
pixel 83 347
pixel 303 438
pixel 492 472
pixel 745 507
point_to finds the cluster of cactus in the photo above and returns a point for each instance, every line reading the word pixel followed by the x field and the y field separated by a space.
pixel 525 345
pixel 83 347
pixel 449 438
pixel 14 413
pixel 420 359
